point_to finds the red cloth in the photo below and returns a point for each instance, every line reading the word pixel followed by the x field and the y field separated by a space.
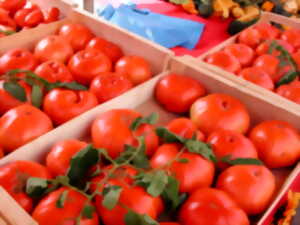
pixel 214 31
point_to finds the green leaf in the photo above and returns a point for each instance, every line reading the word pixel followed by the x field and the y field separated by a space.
pixel 81 163
pixel 168 136
pixel 111 196
pixel 7 32
pixel 288 78
pixel 135 156
pixel 133 218
pixel 182 160
pixel 68 85
pixel 171 193
pixel 200 148
pixel 16 90
pixel 178 2
pixel 36 96
pixel 88 211
pixel 61 199
pixel 158 183
pixel 36 187
pixel 241 161
pixel 152 119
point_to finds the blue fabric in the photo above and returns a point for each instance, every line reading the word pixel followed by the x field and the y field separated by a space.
pixel 164 30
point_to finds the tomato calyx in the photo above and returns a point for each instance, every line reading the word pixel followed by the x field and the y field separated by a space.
pixel 7 32
pixel 37 83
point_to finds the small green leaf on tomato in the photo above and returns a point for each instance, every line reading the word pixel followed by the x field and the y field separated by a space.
pixel 200 148
pixel 61 199
pixel 241 161
pixel 88 211
pixel 152 119
pixel 36 187
pixel 168 136
pixel 158 183
pixel 16 90
pixel 36 96
pixel 133 218
pixel 111 196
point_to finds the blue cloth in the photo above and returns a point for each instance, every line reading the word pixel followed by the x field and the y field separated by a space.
pixel 164 30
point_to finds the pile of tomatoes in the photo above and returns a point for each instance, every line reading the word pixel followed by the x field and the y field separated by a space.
pixel 210 167
pixel 16 15
pixel 266 55
pixel 66 74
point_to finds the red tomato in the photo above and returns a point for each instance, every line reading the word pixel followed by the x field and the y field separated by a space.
pixel 72 102
pixel 184 127
pixel 251 187
pixel 135 198
pixel 6 20
pixel 290 91
pixel 250 37
pixel 1 153
pixel 177 92
pixel 109 85
pixel 211 207
pixel 78 35
pixel 13 178
pixel 264 47
pixel 233 144
pixel 51 15
pixel 267 31
pixel 242 52
pixel 268 63
pixel 7 101
pixel 54 71
pixel 4 29
pixel 220 111
pixel 135 68
pixel 29 17
pixel 17 59
pixel 12 5
pixel 277 143
pixel 292 36
pixel 53 48
pixel 113 51
pixel 59 157
pixel 296 57
pixel 225 61
pixel 186 173
pixel 111 131
pixel 85 65
pixel 17 127
pixel 257 76
pixel 47 213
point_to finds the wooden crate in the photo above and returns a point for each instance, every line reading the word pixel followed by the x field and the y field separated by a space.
pixel 266 17
pixel 142 99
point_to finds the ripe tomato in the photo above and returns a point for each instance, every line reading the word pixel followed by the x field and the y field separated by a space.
pixel 29 17
pixel 242 52
pixel 53 48
pixel 85 65
pixel 214 202
pixel 135 68
pixel 220 111
pixel 12 5
pixel 186 173
pixel 6 20
pixel 184 127
pixel 111 131
pixel 290 91
pixel 17 127
pixel 59 157
pixel 7 101
pixel 231 143
pixel 267 31
pixel 296 57
pixel 51 15
pixel 257 76
pixel 268 63
pixel 17 59
pixel 13 178
pixel 250 37
pixel 134 198
pixel 251 187
pixel 277 143
pixel 178 92
pixel 54 71
pixel 78 35
pixel 1 153
pixel 225 61
pixel 109 85
pixel 264 47
pixel 113 51
pixel 72 102
pixel 47 212
pixel 292 36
